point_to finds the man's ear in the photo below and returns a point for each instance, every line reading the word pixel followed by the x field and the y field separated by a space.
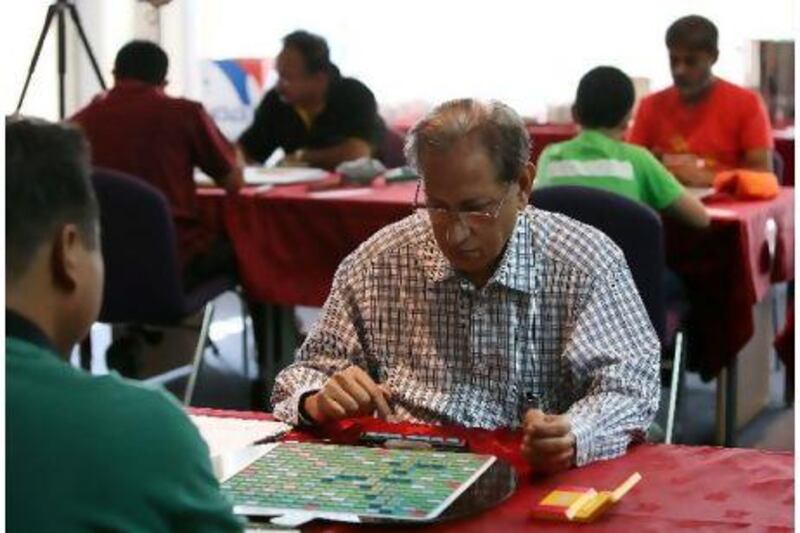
pixel 525 182
pixel 64 257
pixel 714 57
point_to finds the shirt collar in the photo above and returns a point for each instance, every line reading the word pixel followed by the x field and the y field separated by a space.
pixel 19 327
pixel 515 271
pixel 132 85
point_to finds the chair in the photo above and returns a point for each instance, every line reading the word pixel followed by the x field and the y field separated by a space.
pixel 142 276
pixel 637 230
pixel 390 152
pixel 778 165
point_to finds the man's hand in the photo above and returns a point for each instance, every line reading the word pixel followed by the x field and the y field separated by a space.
pixel 295 159
pixel 689 169
pixel 348 393
pixel 548 443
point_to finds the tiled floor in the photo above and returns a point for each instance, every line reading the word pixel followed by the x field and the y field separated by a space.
pixel 223 384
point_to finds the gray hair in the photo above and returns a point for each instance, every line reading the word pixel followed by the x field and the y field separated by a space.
pixel 495 125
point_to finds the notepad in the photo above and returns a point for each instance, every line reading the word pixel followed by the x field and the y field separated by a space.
pixel 271 176
pixel 283 175
pixel 227 435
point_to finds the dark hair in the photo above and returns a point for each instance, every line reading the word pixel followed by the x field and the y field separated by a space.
pixel 497 127
pixel 605 95
pixel 47 186
pixel 313 48
pixel 693 32
pixel 142 60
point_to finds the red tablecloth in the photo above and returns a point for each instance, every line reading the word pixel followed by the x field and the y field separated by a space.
pixel 289 241
pixel 683 487
pixel 728 269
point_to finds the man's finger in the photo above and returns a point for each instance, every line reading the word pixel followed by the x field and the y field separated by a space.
pixel 376 393
pixel 531 418
pixel 551 446
pixel 331 407
pixel 351 385
pixel 334 391
pixel 551 426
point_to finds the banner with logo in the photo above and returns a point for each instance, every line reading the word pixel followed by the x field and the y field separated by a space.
pixel 232 88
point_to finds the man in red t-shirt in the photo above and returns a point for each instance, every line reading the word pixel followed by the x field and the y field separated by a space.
pixel 702 124
pixel 137 129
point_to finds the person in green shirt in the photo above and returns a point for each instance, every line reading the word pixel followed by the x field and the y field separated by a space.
pixel 598 157
pixel 83 453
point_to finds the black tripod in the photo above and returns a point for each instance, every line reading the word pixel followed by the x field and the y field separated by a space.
pixel 57 9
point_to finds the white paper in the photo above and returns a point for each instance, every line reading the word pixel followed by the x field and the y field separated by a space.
pixel 339 193
pixel 719 212
pixel 700 192
pixel 270 176
pixel 283 175
pixel 227 435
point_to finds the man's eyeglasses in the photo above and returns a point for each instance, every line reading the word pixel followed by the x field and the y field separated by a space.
pixel 470 217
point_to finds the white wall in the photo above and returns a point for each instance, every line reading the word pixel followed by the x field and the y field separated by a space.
pixel 529 54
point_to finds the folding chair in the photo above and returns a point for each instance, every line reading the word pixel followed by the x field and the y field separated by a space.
pixel 142 276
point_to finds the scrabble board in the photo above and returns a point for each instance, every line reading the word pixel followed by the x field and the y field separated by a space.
pixel 346 482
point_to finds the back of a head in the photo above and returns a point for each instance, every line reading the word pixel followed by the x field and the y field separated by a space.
pixel 494 125
pixel 143 61
pixel 604 98
pixel 694 33
pixel 47 186
pixel 313 48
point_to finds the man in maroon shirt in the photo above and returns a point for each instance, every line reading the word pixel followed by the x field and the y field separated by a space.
pixel 137 129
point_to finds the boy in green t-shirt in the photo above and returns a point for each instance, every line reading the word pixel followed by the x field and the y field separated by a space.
pixel 83 453
pixel 599 158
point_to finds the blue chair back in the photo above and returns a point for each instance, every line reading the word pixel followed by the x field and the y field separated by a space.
pixel 634 227
pixel 142 275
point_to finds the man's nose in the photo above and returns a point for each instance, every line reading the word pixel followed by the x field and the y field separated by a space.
pixel 457 231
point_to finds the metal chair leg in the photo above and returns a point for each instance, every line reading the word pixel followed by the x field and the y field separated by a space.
pixel 208 313
pixel 245 352
pixel 677 364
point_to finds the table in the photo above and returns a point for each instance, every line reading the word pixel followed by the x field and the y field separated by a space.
pixel 728 269
pixel 683 487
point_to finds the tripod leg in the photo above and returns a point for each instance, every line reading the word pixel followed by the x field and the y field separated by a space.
pixel 62 64
pixel 48 19
pixel 76 19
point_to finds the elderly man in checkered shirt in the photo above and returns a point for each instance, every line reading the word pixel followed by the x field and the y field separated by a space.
pixel 481 311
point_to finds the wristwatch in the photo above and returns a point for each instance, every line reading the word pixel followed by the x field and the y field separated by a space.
pixel 302 415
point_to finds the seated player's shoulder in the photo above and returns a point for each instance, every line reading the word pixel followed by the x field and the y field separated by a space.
pixel 397 238
pixel 150 418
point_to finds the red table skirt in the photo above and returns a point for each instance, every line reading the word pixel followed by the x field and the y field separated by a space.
pixel 727 270
pixel 683 487
pixel 290 241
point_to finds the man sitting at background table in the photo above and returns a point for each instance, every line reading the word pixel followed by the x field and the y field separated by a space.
pixel 702 124
pixel 317 116
pixel 83 453
pixel 138 129
pixel 480 311
pixel 599 158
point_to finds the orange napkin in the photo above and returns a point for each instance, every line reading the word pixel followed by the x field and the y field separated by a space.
pixel 747 184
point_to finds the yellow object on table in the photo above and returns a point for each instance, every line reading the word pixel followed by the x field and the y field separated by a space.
pixel 581 504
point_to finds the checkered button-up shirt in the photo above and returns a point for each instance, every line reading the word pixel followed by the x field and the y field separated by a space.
pixel 560 320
